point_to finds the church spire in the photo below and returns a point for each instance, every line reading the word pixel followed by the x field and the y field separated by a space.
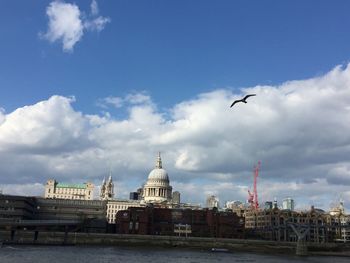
pixel 159 162
pixel 103 188
pixel 110 175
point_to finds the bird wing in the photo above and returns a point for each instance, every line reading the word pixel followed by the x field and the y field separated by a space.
pixel 247 96
pixel 233 103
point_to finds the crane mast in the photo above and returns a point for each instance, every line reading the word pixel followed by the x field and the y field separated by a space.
pixel 253 197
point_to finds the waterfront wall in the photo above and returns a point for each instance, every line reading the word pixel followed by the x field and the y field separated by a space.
pixel 61 238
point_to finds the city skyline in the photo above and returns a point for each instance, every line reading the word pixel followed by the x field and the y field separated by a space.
pixel 93 86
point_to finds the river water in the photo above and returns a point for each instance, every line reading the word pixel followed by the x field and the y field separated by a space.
pixel 71 254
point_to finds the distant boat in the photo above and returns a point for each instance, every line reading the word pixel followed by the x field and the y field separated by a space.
pixel 219 249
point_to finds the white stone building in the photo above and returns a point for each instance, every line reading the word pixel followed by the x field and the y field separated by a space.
pixel 288 204
pixel 55 190
pixel 157 188
pixel 113 206
pixel 212 201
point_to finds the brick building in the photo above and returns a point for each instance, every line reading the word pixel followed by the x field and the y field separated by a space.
pixel 165 221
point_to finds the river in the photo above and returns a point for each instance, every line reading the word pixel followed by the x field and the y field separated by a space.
pixel 94 254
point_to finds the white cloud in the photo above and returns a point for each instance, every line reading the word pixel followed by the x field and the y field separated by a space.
pixel 138 98
pixel 64 24
pixel 67 24
pixel 94 8
pixel 117 102
pixel 299 130
pixel 96 24
pixel 50 125
pixel 131 99
pixel 339 174
pixel 2 115
pixel 22 189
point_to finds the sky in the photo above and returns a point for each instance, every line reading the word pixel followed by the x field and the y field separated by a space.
pixel 92 86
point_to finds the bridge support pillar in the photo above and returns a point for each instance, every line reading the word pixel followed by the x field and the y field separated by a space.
pixel 65 235
pixel 301 249
pixel 36 234
pixel 13 233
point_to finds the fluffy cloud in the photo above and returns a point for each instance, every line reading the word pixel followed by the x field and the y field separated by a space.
pixel 117 102
pixel 47 126
pixel 299 131
pixel 129 99
pixel 96 22
pixel 94 8
pixel 67 23
pixel 64 24
pixel 2 115
pixel 29 189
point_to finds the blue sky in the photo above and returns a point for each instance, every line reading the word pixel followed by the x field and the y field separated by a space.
pixel 171 49
pixel 149 76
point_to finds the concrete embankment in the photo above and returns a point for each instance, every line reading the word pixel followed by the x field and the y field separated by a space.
pixel 258 246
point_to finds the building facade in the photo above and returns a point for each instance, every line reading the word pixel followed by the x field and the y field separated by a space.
pixel 134 196
pixel 212 201
pixel 56 190
pixel 57 209
pixel 174 222
pixel 47 214
pixel 288 204
pixel 339 223
pixel 176 197
pixel 275 224
pixel 13 208
pixel 114 206
pixel 157 188
pixel 237 207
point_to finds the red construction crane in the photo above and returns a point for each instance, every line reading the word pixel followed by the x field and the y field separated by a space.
pixel 253 197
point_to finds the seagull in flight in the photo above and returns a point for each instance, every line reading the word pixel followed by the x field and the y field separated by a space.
pixel 242 100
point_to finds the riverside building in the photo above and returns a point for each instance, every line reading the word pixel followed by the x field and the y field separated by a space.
pixel 114 206
pixel 56 190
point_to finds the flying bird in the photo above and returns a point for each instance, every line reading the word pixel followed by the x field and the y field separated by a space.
pixel 242 100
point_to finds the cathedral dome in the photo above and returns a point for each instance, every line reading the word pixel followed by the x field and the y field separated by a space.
pixel 157 188
pixel 158 174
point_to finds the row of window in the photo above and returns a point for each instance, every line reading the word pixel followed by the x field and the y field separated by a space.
pixel 69 191
pixel 117 208
pixel 66 197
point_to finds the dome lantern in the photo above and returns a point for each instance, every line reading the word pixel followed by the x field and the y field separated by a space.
pixel 159 162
